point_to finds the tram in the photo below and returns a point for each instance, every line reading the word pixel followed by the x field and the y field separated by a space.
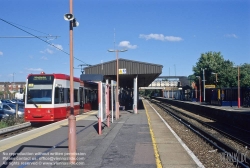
pixel 47 97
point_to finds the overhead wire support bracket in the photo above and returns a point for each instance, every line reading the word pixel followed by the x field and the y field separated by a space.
pixel 82 66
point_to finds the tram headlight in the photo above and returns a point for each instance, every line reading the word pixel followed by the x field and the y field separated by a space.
pixel 48 111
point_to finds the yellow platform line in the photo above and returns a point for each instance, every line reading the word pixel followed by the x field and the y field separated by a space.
pixel 156 153
pixel 21 138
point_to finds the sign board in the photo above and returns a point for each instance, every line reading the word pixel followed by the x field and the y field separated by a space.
pixel 209 86
pixel 91 77
pixel 122 71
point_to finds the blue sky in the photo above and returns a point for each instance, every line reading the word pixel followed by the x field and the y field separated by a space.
pixel 173 33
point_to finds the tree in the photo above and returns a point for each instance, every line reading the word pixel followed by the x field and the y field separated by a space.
pixel 210 62
pixel 245 75
pixel 227 75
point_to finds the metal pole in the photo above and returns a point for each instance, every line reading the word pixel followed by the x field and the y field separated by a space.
pixel 238 86
pixel 107 101
pixel 16 110
pixel 100 108
pixel 72 119
pixel 112 99
pixel 117 82
pixel 117 86
pixel 203 85
pixel 135 95
pixel 200 88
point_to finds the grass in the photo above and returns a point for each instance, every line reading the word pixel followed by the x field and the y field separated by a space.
pixel 3 124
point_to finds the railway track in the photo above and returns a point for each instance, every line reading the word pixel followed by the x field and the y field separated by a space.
pixel 202 127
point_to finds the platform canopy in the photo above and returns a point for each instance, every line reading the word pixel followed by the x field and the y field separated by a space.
pixel 128 70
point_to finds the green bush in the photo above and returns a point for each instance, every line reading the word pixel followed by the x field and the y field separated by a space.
pixel 10 121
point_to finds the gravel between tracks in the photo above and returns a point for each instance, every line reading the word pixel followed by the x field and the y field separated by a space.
pixel 204 152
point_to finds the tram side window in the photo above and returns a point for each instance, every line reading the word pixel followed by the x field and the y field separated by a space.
pixel 59 95
pixel 67 97
pixel 76 95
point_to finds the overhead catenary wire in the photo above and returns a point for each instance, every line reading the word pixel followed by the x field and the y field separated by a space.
pixel 39 37
pixel 27 36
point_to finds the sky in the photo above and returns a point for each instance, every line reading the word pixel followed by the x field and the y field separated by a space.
pixel 172 33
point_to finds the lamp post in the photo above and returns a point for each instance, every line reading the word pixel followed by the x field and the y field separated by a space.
pixel 238 86
pixel 216 77
pixel 71 119
pixel 203 83
pixel 117 82
pixel 199 85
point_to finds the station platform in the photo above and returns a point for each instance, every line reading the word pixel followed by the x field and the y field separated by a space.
pixel 225 114
pixel 140 140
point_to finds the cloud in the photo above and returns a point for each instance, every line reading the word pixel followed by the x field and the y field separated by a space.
pixel 44 58
pixel 1 53
pixel 127 44
pixel 49 51
pixel 160 37
pixel 52 47
pixel 231 36
pixel 34 69
pixel 58 46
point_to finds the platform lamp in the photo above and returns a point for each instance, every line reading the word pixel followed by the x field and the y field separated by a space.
pixel 199 85
pixel 204 91
pixel 71 119
pixel 117 81
pixel 216 77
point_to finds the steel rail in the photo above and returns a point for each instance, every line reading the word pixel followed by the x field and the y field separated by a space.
pixel 246 144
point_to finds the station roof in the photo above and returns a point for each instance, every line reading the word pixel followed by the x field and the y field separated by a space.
pixel 128 69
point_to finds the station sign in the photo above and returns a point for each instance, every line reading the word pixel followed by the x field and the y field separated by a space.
pixel 122 71
pixel 209 86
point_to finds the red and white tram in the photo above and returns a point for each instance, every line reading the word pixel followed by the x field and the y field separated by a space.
pixel 47 97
